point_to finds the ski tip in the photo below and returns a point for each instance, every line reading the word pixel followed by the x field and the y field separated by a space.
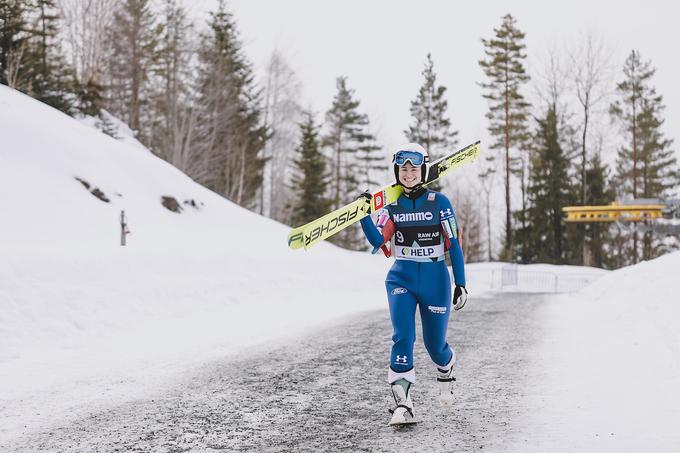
pixel 295 241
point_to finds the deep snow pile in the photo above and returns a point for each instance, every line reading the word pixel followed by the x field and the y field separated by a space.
pixel 608 370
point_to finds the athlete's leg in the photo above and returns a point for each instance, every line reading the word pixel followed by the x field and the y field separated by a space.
pixel 402 312
pixel 435 308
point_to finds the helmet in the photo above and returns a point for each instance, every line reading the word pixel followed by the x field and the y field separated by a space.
pixel 413 153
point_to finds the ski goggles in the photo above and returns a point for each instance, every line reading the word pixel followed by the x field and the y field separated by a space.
pixel 416 159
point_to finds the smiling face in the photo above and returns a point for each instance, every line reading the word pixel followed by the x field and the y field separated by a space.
pixel 409 175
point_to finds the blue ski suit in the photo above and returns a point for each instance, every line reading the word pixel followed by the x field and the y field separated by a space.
pixel 422 226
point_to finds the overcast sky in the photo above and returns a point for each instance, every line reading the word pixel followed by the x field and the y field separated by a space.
pixel 381 47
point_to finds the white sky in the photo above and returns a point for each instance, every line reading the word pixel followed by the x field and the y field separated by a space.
pixel 381 46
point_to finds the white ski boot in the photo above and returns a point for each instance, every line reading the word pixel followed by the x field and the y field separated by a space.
pixel 403 413
pixel 445 380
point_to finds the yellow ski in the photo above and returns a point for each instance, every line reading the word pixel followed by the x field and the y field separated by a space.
pixel 324 227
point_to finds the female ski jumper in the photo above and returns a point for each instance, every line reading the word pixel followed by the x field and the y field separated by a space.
pixel 423 227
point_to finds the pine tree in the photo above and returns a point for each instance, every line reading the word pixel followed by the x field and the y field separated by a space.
pixel 14 37
pixel 309 177
pixel 504 67
pixel 598 193
pixel 431 128
pixel 229 127
pixel 645 166
pixel 549 190
pixel 353 155
pixel 134 42
pixel 50 76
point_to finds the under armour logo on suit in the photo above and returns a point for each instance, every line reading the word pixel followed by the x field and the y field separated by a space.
pixel 401 359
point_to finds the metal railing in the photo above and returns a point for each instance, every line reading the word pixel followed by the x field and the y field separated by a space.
pixel 512 277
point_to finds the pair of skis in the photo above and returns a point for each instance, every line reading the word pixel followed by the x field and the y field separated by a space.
pixel 324 227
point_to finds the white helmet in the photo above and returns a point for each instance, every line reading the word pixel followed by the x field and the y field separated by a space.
pixel 413 153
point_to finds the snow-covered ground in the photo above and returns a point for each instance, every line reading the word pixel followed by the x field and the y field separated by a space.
pixel 86 324
pixel 607 372
pixel 189 286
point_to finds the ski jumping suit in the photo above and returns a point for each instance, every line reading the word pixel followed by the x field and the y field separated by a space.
pixel 422 226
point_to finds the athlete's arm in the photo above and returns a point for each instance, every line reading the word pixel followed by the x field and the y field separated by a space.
pixel 372 232
pixel 450 227
pixel 378 235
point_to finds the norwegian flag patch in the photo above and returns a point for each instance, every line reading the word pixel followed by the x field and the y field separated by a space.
pixel 379 200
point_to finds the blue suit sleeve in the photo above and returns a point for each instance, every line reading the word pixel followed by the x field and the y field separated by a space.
pixel 450 226
pixel 371 231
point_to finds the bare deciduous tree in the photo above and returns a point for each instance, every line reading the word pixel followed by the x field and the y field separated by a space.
pixel 281 115
pixel 85 23
pixel 487 176
pixel 591 73
pixel 467 213
pixel 16 74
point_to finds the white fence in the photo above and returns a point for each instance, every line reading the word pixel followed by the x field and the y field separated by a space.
pixel 534 279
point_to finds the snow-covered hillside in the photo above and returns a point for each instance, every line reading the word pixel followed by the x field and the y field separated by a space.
pixel 196 284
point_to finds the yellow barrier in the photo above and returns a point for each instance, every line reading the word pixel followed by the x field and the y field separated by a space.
pixel 614 212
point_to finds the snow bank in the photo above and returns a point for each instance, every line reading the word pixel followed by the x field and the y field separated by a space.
pixel 189 287
pixel 608 369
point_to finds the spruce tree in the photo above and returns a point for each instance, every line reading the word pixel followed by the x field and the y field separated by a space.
pixel 646 166
pixel 353 156
pixel 598 193
pixel 229 126
pixel 504 67
pixel 309 175
pixel 431 126
pixel 13 43
pixel 549 190
pixel 50 76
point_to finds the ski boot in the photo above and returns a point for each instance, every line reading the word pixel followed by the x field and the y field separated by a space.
pixel 403 413
pixel 445 380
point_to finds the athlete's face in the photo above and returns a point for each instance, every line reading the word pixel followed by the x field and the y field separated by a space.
pixel 409 175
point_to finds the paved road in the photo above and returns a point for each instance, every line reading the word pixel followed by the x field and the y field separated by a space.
pixel 327 392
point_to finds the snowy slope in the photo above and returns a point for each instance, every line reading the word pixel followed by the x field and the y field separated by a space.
pixel 75 306
pixel 608 369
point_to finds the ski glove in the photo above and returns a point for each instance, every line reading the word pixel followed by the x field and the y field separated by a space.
pixel 368 196
pixel 459 297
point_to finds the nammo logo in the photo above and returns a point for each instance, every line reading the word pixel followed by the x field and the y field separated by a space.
pixel 412 216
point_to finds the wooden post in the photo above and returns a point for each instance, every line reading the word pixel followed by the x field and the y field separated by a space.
pixel 123 228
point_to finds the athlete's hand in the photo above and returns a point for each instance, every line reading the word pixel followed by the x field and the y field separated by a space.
pixel 368 196
pixel 459 297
